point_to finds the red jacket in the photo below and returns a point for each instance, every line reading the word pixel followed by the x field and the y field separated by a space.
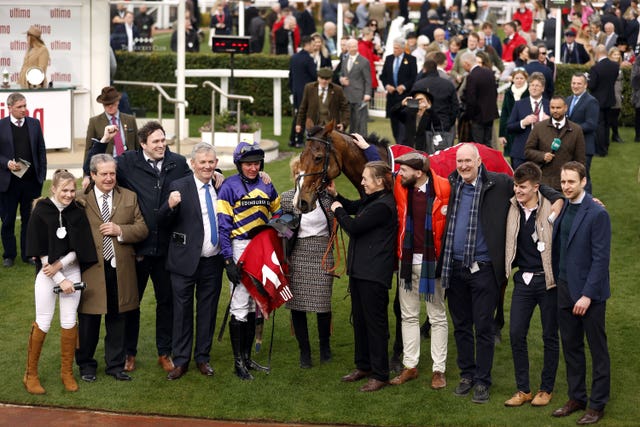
pixel 508 48
pixel 438 214
pixel 526 19
pixel 365 48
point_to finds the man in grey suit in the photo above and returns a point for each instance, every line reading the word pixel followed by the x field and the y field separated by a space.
pixel 356 83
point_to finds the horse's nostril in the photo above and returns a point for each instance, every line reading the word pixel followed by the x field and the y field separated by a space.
pixel 303 206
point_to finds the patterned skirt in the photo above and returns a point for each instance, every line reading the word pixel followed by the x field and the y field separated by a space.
pixel 310 284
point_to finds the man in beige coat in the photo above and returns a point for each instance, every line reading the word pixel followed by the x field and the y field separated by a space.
pixel 116 224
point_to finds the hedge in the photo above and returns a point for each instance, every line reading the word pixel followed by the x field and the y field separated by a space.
pixel 160 67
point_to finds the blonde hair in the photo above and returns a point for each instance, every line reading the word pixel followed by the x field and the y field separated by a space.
pixel 60 176
pixel 294 166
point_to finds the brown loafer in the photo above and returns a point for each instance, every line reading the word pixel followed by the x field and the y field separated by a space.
pixel 569 408
pixel 205 369
pixel 166 363
pixel 130 364
pixel 373 385
pixel 407 374
pixel 518 399
pixel 542 399
pixel 590 417
pixel 438 380
pixel 355 375
pixel 177 373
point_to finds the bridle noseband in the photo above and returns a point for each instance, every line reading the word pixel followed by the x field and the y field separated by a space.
pixel 324 179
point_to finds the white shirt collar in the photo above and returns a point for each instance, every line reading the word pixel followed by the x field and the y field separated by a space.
pixel 15 121
pixel 562 122
pixel 580 198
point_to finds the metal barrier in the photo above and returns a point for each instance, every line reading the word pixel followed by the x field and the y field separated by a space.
pixel 163 94
pixel 231 97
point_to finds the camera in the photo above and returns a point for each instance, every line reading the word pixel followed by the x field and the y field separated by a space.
pixel 413 104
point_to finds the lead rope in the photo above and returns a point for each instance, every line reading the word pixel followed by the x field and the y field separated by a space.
pixel 333 241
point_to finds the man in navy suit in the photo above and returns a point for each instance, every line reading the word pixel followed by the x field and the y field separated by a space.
pixel 302 70
pixel 194 260
pixel 525 114
pixel 581 252
pixel 572 52
pixel 480 99
pixel 490 38
pixel 536 66
pixel 602 79
pixel 21 143
pixel 584 110
pixel 398 75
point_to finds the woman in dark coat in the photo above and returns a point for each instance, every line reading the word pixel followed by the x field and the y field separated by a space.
pixel 519 89
pixel 57 238
pixel 420 122
pixel 370 264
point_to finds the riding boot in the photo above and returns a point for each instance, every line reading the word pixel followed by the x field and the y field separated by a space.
pixel 236 334
pixel 30 379
pixel 249 335
pixel 68 339
pixel 299 320
pixel 324 334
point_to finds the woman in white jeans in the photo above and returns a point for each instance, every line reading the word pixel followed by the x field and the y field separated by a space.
pixel 58 237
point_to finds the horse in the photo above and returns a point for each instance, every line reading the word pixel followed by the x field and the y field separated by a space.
pixel 328 153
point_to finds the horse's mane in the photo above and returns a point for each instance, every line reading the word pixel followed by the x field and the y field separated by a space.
pixel 373 138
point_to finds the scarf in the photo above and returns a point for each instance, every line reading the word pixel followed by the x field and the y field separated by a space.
pixel 428 268
pixel 517 93
pixel 472 229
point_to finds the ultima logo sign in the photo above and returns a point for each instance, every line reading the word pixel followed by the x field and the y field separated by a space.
pixel 37 113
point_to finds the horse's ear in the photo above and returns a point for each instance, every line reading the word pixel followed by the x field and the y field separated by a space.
pixel 329 127
pixel 309 123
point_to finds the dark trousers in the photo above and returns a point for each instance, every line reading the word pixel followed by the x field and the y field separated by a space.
pixel 472 301
pixel 207 283
pixel 524 300
pixel 637 125
pixel 89 332
pixel 20 192
pixel 572 331
pixel 397 128
pixel 154 267
pixel 589 187
pixel 602 133
pixel 296 138
pixel 615 119
pixel 482 132
pixel 369 303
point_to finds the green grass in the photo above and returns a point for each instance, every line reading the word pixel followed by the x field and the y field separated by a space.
pixel 290 394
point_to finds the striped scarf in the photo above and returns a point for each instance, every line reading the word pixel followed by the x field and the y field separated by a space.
pixel 472 229
pixel 428 269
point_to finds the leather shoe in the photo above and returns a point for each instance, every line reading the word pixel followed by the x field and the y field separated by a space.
pixel 120 376
pixel 373 385
pixel 130 363
pixel 177 372
pixel 438 380
pixel 569 408
pixel 205 369
pixel 464 387
pixel 518 399
pixel 590 417
pixel 89 378
pixel 7 262
pixel 542 399
pixel 166 363
pixel 355 375
pixel 407 374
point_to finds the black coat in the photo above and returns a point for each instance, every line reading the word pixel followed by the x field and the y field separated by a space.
pixel 480 95
pixel 602 79
pixel 445 99
pixel 537 66
pixel 415 134
pixel 578 56
pixel 372 236
pixel 406 76
pixel 302 70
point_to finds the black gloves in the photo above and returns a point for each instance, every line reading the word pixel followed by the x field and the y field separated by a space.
pixel 234 273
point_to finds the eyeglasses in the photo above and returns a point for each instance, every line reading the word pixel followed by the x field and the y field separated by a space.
pixel 373 24
pixel 542 53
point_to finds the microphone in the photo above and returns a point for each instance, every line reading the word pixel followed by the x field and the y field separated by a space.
pixel 77 286
pixel 555 145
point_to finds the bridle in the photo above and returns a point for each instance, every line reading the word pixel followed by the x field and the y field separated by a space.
pixel 328 151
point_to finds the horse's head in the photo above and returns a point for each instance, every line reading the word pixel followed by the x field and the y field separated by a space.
pixel 318 166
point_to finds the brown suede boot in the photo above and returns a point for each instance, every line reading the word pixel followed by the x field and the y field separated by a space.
pixel 68 338
pixel 30 379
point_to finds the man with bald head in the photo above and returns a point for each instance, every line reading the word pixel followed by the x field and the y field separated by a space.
pixel 355 78
pixel 473 263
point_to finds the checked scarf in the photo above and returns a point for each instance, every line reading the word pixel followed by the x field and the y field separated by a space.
pixel 428 269
pixel 472 230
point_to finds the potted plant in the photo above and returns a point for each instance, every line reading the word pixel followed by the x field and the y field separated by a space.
pixel 226 133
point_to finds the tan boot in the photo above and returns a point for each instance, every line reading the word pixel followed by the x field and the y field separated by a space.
pixel 68 338
pixel 30 379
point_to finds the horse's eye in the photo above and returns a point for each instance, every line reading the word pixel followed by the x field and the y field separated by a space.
pixel 317 159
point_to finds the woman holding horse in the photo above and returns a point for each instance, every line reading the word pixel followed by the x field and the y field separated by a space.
pixel 370 264
pixel 57 237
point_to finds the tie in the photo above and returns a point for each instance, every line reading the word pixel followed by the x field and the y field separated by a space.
pixel 19 123
pixel 154 165
pixel 536 110
pixel 558 127
pixel 396 67
pixel 212 215
pixel 573 104
pixel 107 242
pixel 324 94
pixel 117 140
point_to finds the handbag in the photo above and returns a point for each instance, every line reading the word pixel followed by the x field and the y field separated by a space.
pixel 438 140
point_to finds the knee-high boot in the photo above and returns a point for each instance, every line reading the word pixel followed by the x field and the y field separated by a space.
pixel 324 334
pixel 236 334
pixel 68 339
pixel 249 335
pixel 30 379
pixel 299 320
